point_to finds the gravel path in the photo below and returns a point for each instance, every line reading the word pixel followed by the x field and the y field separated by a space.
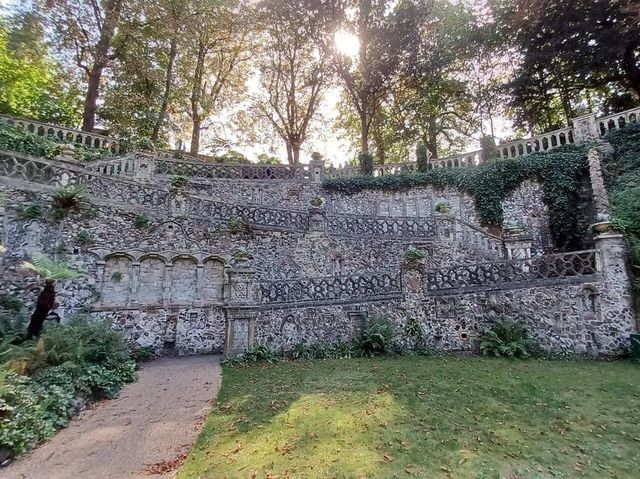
pixel 144 433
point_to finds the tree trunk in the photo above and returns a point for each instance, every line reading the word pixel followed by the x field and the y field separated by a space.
pixel 196 94
pixel 632 70
pixel 112 11
pixel 289 153
pixel 431 140
pixel 167 90
pixel 364 132
pixel 91 98
pixel 46 300
pixel 296 154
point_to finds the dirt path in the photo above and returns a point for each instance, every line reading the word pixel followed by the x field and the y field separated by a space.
pixel 151 424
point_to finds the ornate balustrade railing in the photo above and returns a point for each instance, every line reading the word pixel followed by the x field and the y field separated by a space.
pixel 62 133
pixel 333 289
pixel 555 266
pixel 548 141
pixel 382 227
pixel 618 120
pixel 480 240
pixel 272 218
pixel 241 171
pixel 41 171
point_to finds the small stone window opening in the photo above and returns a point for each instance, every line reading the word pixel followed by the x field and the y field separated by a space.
pixel 589 299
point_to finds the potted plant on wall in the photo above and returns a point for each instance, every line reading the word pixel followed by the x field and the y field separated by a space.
pixel 443 208
pixel 317 202
pixel 512 228
pixel 241 255
pixel 602 224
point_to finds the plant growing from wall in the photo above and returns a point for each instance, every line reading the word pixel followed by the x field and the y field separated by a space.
pixel 116 277
pixel 413 257
pixel 84 238
pixel 68 197
pixel 141 221
pixel 317 201
pixel 238 225
pixel 242 254
pixel 179 182
pixel 29 211
pixel 560 172
pixel 413 331
pixel 443 208
pixel 506 337
pixel 50 272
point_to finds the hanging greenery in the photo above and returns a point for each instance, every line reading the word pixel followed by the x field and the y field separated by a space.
pixel 560 172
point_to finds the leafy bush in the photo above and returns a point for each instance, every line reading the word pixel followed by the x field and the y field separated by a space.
pixel 15 139
pixel 560 172
pixel 82 357
pixel 179 181
pixel 84 238
pixel 506 337
pixel 140 221
pixel 254 355
pixel 29 211
pixel 413 256
pixel 67 197
pixel 377 338
pixel 238 225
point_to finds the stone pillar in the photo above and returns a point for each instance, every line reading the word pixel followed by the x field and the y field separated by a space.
pixel 243 300
pixel 600 197
pixel 616 299
pixel 135 281
pixel 518 246
pixel 316 168
pixel 585 128
pixel 144 165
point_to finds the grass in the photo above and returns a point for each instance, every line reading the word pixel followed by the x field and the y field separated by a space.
pixel 423 417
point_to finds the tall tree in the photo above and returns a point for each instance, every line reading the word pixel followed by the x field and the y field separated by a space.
pixel 31 83
pixel 87 29
pixel 386 35
pixel 574 46
pixel 293 72
pixel 218 40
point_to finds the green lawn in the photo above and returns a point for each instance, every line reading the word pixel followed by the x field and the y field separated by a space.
pixel 423 417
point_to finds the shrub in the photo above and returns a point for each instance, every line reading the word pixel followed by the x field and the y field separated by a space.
pixel 506 337
pixel 143 353
pixel 29 211
pixel 140 221
pixel 68 197
pixel 365 160
pixel 15 139
pixel 413 256
pixel 179 181
pixel 377 337
pixel 254 355
pixel 238 225
pixel 413 330
pixel 84 238
pixel 443 208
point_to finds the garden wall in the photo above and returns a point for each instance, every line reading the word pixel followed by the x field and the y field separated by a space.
pixel 166 264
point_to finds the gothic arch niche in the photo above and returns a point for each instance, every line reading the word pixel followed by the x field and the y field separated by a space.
pixel 590 299
pixel 289 332
pixel 117 279
pixel 212 280
pixel 183 280
pixel 151 282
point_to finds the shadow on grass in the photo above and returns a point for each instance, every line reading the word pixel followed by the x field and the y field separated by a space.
pixel 423 417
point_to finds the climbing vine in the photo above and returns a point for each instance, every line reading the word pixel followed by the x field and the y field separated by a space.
pixel 559 171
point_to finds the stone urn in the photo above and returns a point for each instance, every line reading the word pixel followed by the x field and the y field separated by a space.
pixel 601 226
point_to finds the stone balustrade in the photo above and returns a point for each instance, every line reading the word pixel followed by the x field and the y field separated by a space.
pixel 540 143
pixel 618 120
pixel 64 134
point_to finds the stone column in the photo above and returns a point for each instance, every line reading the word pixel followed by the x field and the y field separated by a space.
pixel 585 128
pixel 518 246
pixel 242 309
pixel 616 299
pixel 144 165
pixel 600 197
pixel 316 168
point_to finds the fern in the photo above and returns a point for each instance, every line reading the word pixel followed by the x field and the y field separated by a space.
pixel 49 269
